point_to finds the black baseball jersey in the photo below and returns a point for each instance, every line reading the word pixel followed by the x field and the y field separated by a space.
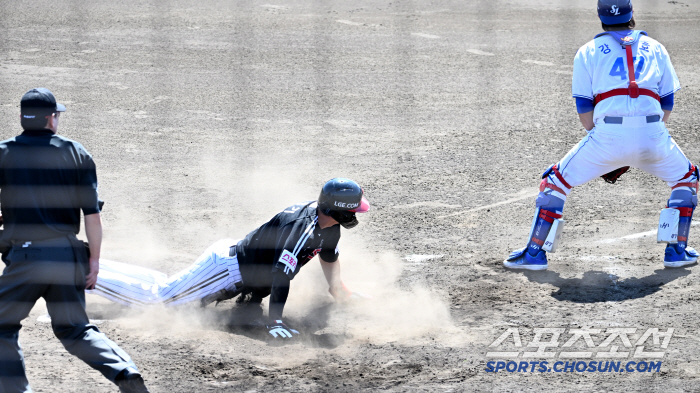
pixel 270 256
pixel 46 180
pixel 286 243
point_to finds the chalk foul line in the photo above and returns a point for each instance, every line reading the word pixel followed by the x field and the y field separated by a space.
pixel 525 194
pixel 634 236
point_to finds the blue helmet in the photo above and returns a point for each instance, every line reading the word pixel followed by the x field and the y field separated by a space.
pixel 613 12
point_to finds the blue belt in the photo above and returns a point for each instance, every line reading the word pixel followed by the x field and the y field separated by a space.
pixel 618 120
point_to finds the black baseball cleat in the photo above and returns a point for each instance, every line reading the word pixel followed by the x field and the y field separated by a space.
pixel 130 381
pixel 250 297
pixel 248 307
pixel 218 297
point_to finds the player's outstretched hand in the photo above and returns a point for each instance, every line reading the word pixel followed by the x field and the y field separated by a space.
pixel 278 330
pixel 344 294
pixel 359 295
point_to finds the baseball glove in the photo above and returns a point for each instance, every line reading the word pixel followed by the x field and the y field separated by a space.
pixel 612 176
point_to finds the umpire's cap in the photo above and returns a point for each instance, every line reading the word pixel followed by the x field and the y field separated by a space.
pixel 613 12
pixel 40 100
pixel 341 198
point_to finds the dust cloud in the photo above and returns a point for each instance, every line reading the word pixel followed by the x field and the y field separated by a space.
pixel 394 313
pixel 404 315
pixel 243 200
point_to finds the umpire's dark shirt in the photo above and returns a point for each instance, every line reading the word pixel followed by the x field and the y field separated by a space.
pixel 45 180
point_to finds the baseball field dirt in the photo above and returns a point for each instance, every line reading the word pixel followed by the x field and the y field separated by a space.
pixel 206 118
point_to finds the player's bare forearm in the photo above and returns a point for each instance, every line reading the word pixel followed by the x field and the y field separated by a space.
pixel 587 120
pixel 93 231
pixel 667 114
pixel 332 272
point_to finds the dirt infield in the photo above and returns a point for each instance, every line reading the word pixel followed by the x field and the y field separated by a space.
pixel 205 118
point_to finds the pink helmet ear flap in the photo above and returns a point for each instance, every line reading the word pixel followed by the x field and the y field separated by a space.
pixel 364 206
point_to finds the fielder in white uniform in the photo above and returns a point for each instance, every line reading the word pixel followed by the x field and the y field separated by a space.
pixel 624 85
pixel 261 264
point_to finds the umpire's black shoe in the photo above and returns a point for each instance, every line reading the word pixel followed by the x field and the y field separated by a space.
pixel 130 381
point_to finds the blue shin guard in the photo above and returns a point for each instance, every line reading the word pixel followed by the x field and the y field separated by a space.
pixel 533 257
pixel 549 208
pixel 684 199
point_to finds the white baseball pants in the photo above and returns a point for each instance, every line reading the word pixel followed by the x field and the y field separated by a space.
pixel 136 286
pixel 642 145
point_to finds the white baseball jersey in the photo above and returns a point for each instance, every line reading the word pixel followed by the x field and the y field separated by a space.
pixel 136 286
pixel 601 65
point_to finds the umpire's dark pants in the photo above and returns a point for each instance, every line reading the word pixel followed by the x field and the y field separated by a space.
pixel 52 269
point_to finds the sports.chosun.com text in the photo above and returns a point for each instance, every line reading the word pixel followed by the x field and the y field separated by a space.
pixel 594 366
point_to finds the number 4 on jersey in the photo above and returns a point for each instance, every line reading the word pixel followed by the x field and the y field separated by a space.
pixel 618 69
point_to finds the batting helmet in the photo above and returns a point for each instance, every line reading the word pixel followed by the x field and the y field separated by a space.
pixel 614 12
pixel 341 198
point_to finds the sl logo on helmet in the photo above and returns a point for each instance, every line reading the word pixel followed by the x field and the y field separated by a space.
pixel 615 10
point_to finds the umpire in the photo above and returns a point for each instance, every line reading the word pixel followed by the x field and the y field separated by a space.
pixel 45 181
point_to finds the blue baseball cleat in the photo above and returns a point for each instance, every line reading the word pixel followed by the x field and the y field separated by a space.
pixel 679 257
pixel 521 259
